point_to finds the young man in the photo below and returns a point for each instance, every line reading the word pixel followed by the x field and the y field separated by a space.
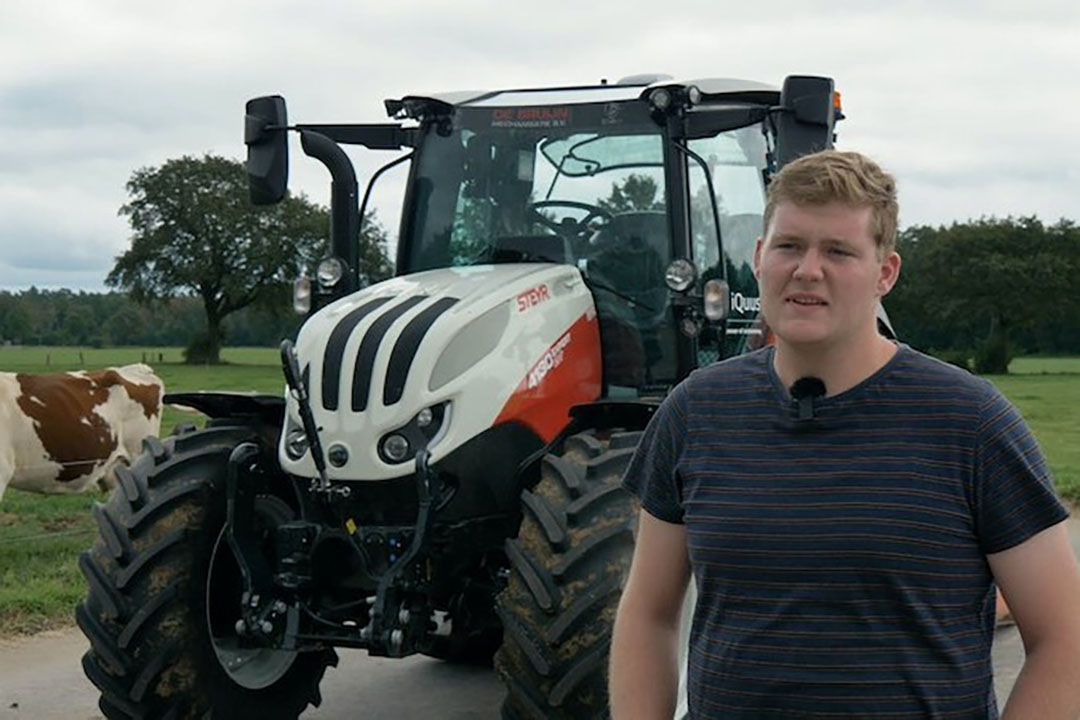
pixel 845 547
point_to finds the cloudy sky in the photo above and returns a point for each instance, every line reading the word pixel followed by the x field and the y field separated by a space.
pixel 973 104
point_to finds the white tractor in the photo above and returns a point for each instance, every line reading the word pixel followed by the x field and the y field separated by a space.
pixel 443 473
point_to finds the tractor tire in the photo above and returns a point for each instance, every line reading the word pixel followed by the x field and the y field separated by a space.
pixel 154 627
pixel 568 566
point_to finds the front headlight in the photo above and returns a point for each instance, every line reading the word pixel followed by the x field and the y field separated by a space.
pixel 716 300
pixel 330 272
pixel 301 296
pixel 296 444
pixel 681 275
pixel 425 429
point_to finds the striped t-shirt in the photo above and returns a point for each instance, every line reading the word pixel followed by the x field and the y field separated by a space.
pixel 840 561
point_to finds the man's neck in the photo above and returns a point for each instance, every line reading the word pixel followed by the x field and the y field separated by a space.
pixel 839 367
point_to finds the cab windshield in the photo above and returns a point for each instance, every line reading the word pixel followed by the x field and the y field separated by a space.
pixel 538 184
pixel 577 184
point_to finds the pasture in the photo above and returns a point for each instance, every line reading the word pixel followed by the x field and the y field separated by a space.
pixel 41 536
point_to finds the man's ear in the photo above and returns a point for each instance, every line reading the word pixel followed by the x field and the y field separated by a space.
pixel 757 258
pixel 890 273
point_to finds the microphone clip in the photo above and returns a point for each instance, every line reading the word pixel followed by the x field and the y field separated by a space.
pixel 805 391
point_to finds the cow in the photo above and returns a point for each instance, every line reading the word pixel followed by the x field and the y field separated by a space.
pixel 63 432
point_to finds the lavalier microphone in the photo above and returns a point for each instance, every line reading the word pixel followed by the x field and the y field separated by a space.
pixel 805 391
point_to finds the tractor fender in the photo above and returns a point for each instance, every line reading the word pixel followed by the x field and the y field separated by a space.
pixel 267 411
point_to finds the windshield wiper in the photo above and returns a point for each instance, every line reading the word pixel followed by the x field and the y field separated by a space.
pixel 593 283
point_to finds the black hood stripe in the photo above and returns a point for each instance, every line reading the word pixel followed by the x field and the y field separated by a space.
pixel 406 346
pixel 365 357
pixel 334 354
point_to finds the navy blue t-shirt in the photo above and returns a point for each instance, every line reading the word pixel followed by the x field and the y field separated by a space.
pixel 840 562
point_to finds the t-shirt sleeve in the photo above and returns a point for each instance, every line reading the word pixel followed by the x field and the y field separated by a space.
pixel 653 473
pixel 1014 492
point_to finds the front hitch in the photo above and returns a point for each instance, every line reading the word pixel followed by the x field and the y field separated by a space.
pixel 394 628
pixel 259 608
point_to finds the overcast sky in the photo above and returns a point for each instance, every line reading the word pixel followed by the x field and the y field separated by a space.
pixel 973 105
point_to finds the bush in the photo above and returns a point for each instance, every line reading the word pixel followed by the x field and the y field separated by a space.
pixel 992 356
pixel 959 358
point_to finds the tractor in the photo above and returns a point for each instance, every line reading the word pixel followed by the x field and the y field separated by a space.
pixel 441 474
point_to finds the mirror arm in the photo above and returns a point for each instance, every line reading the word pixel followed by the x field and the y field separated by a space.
pixel 344 213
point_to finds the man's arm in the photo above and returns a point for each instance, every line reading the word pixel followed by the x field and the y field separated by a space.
pixel 644 671
pixel 1041 583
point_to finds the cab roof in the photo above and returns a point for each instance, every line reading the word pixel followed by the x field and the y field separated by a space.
pixel 712 89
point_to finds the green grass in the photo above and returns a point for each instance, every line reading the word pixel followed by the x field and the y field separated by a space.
pixel 40 539
pixel 1051 406
pixel 1045 366
pixel 41 536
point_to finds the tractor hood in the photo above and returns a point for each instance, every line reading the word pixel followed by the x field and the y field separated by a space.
pixel 435 358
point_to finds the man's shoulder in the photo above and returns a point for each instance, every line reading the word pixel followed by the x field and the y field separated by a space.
pixel 916 369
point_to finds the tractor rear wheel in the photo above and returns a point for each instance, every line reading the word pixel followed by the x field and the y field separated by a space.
pixel 164 594
pixel 568 565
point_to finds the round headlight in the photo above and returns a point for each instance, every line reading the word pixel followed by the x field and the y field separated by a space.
pixel 338 455
pixel 424 417
pixel 296 444
pixel 693 94
pixel 716 300
pixel 660 99
pixel 330 272
pixel 396 447
pixel 681 275
pixel 301 295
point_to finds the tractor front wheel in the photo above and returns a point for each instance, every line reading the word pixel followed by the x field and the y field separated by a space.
pixel 165 595
pixel 568 565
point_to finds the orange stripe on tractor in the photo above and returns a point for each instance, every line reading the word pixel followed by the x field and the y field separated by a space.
pixel 568 373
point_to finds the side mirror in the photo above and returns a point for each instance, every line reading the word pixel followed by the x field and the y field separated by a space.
pixel 805 125
pixel 268 150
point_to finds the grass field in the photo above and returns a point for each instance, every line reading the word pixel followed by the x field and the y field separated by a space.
pixel 41 536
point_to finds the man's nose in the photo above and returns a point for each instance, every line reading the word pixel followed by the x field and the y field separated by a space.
pixel 809 267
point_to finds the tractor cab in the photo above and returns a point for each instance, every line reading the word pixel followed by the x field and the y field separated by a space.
pixel 653 189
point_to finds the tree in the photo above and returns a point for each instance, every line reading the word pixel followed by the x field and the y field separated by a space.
pixel 637 193
pixel 196 233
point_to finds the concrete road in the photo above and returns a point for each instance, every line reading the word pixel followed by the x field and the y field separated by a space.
pixel 41 679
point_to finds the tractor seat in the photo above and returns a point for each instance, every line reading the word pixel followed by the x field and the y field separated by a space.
pixel 633 248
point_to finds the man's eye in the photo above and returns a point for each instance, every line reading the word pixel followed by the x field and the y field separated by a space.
pixel 840 251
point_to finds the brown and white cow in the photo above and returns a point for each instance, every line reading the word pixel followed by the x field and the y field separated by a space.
pixel 62 432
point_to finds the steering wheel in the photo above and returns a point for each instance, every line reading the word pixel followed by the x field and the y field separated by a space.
pixel 576 228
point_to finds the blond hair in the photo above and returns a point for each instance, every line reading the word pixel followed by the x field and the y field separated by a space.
pixel 840 176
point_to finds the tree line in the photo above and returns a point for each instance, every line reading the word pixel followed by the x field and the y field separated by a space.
pixel 978 292
pixel 206 268
pixel 112 319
